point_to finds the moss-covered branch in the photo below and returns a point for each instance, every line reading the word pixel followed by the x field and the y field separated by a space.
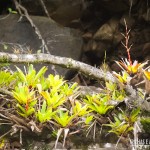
pixel 86 69
pixel 57 60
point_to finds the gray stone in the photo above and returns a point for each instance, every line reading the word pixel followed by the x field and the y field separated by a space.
pixel 104 33
pixel 107 30
pixel 61 41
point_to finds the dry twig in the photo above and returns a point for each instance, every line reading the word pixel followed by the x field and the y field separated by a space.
pixel 24 12
pixel 45 9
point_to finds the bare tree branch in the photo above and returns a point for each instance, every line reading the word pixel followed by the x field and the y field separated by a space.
pixel 45 9
pixel 86 69
pixel 57 60
pixel 23 12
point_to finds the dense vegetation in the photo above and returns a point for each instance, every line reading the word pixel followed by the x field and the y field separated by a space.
pixel 31 102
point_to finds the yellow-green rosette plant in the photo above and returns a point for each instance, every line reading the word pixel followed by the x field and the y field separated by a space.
pixel 31 78
pixel 98 103
pixel 44 113
pixel 7 78
pixel 123 123
pixel 114 92
pixel 131 68
pixel 25 100
pixel 80 109
pixel 53 99
pixel 122 77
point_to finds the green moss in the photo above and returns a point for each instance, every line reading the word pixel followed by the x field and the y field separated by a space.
pixel 146 124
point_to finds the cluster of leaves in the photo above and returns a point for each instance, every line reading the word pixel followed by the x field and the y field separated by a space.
pixel 130 70
pixel 40 96
pixel 123 123
pixel 36 94
pixel 103 102
pixel 6 78
pixel 53 100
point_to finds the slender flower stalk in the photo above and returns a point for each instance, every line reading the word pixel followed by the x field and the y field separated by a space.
pixel 126 44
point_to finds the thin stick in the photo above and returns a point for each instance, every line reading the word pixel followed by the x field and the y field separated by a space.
pixel 23 12
pixel 45 9
pixel 57 60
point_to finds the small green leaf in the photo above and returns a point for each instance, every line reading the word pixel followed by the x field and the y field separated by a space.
pixel 21 75
pixel 40 73
pixel 39 51
pixel 135 112
pixel 88 119
pixel 5 47
pixel 43 110
pixel 12 11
